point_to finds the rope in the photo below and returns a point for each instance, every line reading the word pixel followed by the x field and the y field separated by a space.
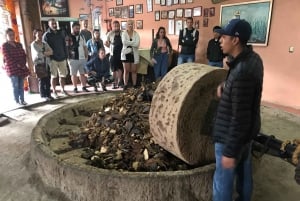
pixel 296 154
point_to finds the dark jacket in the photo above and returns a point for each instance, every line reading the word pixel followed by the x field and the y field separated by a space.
pixel 101 67
pixel 188 39
pixel 154 51
pixel 57 41
pixel 214 51
pixel 238 114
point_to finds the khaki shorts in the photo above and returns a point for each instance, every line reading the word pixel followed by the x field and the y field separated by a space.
pixel 77 66
pixel 58 68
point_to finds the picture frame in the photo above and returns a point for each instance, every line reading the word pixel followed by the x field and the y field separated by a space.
pixel 175 2
pixel 171 26
pixel 149 6
pixel 117 12
pixel 83 17
pixel 131 11
pixel 139 9
pixel 111 12
pixel 123 25
pixel 125 12
pixel 171 14
pixel 188 12
pixel 169 2
pixel 59 10
pixel 164 14
pixel 205 22
pixel 157 15
pixel 182 1
pixel 189 1
pixel 211 11
pixel 197 11
pixel 163 2
pixel 257 13
pixel 139 24
pixel 119 2
pixel 157 2
pixel 197 24
pixel 205 12
pixel 179 12
pixel 178 26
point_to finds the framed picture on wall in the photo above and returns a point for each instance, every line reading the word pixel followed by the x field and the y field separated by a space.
pixel 162 2
pixel 189 1
pixel 111 12
pixel 139 24
pixel 175 2
pixel 139 8
pixel 124 11
pixel 211 11
pixel 205 22
pixel 83 17
pixel 197 24
pixel 179 12
pixel 123 25
pixel 131 11
pixel 171 14
pixel 169 3
pixel 257 13
pixel 171 27
pixel 117 12
pixel 188 12
pixel 182 1
pixel 205 12
pixel 119 2
pixel 157 15
pixel 164 14
pixel 178 26
pixel 197 11
pixel 57 9
pixel 157 2
pixel 149 6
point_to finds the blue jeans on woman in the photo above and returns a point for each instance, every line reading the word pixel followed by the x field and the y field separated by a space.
pixel 185 58
pixel 161 66
pixel 223 181
pixel 18 88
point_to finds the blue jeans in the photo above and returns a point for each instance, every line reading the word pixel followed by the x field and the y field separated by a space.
pixel 44 84
pixel 161 66
pixel 223 181
pixel 185 58
pixel 18 88
pixel 216 63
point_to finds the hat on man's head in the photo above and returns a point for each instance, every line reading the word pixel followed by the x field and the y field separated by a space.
pixel 238 28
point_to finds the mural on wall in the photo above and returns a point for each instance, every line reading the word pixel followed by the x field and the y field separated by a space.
pixel 54 8
pixel 257 13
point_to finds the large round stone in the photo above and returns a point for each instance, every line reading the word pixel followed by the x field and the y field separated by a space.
pixel 182 109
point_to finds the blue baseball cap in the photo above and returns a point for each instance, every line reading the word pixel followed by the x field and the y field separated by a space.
pixel 237 27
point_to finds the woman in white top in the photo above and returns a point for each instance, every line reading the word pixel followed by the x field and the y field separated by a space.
pixel 130 53
pixel 40 51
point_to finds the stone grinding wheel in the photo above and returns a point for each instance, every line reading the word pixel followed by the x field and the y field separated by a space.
pixel 182 109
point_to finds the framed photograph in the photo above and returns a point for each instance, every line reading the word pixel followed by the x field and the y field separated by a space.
pixel 131 11
pixel 211 11
pixel 179 12
pixel 157 2
pixel 169 3
pixel 178 26
pixel 139 24
pixel 111 12
pixel 257 13
pixel 205 22
pixel 197 11
pixel 205 12
pixel 125 12
pixel 171 14
pixel 149 6
pixel 164 14
pixel 157 15
pixel 117 12
pixel 119 2
pixel 56 9
pixel 175 2
pixel 139 8
pixel 123 25
pixel 182 1
pixel 188 12
pixel 171 27
pixel 83 17
pixel 163 2
pixel 197 24
pixel 189 1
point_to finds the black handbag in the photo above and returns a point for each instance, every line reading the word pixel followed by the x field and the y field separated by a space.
pixel 41 70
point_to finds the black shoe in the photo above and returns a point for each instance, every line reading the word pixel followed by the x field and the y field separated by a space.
pixel 103 86
pixel 115 86
pixel 85 89
pixel 125 87
pixel 75 90
pixel 95 89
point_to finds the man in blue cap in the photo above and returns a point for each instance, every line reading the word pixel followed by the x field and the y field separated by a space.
pixel 238 114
